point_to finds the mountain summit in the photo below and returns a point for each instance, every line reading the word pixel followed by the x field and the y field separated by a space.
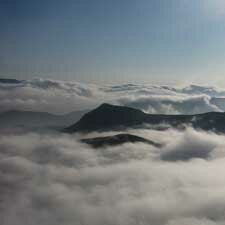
pixel 108 116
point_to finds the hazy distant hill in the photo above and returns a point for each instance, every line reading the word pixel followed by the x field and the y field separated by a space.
pixel 29 119
pixel 219 102
pixel 9 81
pixel 108 117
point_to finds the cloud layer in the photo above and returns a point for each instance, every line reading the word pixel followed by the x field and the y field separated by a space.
pixel 53 179
pixel 62 97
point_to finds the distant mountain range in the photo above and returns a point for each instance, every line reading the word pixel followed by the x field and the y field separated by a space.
pixel 110 117
pixel 29 119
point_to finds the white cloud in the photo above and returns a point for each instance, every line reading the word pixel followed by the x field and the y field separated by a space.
pixel 62 97
pixel 53 179
pixel 48 95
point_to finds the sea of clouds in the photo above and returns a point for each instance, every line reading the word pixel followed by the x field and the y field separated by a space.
pixel 50 178
pixel 53 179
pixel 62 97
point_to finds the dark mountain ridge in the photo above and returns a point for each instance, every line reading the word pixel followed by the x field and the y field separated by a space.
pixel 9 81
pixel 118 139
pixel 111 117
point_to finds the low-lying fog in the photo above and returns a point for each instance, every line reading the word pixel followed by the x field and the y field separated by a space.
pixel 52 179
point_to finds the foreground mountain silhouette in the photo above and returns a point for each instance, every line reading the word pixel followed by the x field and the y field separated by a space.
pixel 118 139
pixel 110 117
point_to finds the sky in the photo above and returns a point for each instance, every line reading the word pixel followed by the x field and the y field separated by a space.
pixel 114 41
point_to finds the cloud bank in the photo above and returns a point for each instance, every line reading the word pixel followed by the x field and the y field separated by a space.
pixel 53 179
pixel 62 97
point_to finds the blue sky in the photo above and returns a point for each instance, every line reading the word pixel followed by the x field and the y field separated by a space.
pixel 114 41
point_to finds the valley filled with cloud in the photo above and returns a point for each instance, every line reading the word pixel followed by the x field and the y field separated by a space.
pixel 50 177
pixel 54 179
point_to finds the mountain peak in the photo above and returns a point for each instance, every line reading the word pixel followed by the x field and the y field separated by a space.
pixel 108 116
pixel 105 105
